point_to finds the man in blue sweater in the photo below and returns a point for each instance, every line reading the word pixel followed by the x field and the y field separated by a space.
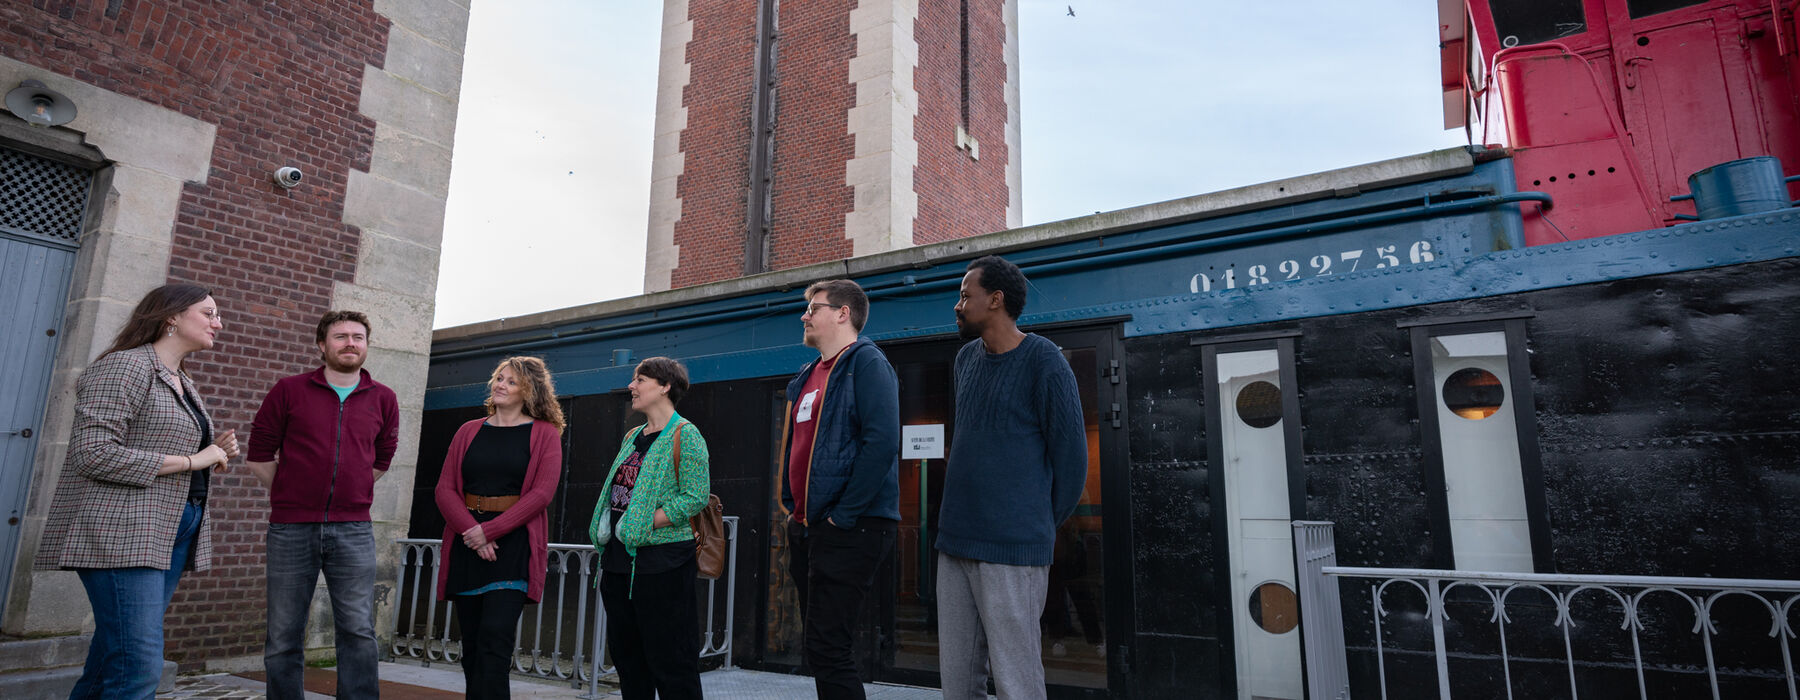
pixel 1017 468
pixel 841 480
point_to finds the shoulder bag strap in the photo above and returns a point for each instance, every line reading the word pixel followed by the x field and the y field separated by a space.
pixel 675 454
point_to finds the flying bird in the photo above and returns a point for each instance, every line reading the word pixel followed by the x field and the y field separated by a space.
pixel 1071 10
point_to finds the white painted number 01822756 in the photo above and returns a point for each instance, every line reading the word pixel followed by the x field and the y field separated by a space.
pixel 1317 266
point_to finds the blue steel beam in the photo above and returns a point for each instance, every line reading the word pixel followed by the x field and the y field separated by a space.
pixel 910 285
pixel 1147 279
pixel 1690 246
pixel 1297 220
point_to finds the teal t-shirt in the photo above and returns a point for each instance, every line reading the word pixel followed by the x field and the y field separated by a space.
pixel 343 392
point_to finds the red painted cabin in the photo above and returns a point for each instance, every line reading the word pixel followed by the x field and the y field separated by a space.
pixel 1609 105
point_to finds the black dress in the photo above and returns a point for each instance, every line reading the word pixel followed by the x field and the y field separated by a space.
pixel 494 465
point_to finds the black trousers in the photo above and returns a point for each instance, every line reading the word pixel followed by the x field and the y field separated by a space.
pixel 490 627
pixel 653 633
pixel 833 569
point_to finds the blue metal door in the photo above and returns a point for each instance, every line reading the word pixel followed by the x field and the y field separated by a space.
pixel 42 204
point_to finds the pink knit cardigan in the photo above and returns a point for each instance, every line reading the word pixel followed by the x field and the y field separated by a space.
pixel 541 477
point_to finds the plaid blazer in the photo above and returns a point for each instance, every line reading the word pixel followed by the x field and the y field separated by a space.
pixel 111 510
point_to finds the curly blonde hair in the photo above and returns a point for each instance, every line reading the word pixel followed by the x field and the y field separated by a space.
pixel 540 390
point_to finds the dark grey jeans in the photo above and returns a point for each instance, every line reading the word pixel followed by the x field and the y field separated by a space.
pixel 345 553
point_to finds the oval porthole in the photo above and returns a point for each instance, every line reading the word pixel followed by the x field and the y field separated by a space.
pixel 1473 393
pixel 1259 404
pixel 1274 607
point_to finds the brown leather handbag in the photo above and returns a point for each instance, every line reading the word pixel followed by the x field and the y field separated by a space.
pixel 708 524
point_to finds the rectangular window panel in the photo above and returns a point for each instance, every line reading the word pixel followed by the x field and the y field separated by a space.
pixel 1645 8
pixel 1521 22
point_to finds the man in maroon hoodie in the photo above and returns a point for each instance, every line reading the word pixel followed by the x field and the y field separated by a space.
pixel 319 442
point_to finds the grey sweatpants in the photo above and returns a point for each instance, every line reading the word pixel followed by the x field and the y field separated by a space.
pixel 988 617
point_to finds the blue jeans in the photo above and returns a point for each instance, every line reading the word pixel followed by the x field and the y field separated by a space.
pixel 125 659
pixel 345 552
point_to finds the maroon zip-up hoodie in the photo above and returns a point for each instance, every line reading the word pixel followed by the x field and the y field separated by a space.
pixel 327 452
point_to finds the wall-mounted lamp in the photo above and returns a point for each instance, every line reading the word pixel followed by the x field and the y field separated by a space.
pixel 39 105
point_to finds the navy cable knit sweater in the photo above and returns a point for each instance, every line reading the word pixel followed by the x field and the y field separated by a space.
pixel 1018 457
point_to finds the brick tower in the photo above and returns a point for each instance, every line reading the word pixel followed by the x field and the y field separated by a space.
pixel 789 134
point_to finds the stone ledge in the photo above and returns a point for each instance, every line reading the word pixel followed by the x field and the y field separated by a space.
pixel 43 652
pixel 55 683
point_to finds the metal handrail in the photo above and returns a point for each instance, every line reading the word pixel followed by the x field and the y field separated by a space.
pixel 1581 579
pixel 1778 597
pixel 570 566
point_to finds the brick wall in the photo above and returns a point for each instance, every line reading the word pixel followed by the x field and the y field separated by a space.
pixel 282 83
pixel 812 134
pixel 716 143
pixel 960 196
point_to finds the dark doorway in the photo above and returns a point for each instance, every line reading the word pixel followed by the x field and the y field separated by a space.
pixel 1089 598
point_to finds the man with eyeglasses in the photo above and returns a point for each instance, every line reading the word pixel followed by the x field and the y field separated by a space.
pixel 319 443
pixel 841 478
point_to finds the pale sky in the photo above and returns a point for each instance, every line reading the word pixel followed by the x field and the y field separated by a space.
pixel 1126 103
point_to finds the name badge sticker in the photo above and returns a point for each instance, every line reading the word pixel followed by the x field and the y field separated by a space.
pixel 804 412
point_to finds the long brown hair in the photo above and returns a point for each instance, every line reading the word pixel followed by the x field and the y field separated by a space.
pixel 540 391
pixel 152 314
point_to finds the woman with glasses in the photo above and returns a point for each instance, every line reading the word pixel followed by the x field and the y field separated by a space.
pixel 129 514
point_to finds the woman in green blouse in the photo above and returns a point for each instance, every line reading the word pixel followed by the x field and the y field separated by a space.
pixel 640 526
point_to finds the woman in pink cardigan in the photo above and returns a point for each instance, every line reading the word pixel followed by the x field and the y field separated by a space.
pixel 497 481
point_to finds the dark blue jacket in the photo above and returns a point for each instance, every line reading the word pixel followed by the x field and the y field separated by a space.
pixel 856 450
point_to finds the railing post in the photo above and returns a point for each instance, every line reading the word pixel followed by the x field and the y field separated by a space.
pixel 1435 601
pixel 437 556
pixel 1321 619
pixel 731 543
pixel 581 603
pixel 599 637
pixel 399 586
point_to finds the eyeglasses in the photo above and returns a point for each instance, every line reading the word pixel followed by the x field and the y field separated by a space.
pixel 813 308
pixel 212 314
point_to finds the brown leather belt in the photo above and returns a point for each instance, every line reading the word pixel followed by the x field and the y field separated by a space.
pixel 489 504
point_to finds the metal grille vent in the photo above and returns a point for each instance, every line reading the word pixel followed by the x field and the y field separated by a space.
pixel 42 197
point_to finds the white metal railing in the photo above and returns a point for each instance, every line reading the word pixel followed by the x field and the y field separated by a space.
pixel 1627 596
pixel 561 621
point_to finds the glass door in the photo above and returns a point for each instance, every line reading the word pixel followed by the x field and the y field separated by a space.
pixel 1076 619
pixel 909 607
pixel 897 635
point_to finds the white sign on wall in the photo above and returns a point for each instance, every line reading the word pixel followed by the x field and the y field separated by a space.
pixel 922 441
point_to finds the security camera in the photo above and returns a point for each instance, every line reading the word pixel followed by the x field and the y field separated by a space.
pixel 288 176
